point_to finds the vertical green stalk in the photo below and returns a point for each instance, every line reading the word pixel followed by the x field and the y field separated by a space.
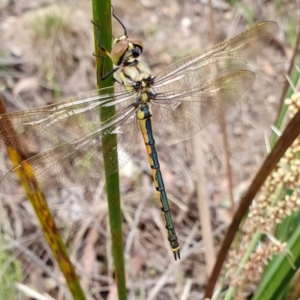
pixel 102 17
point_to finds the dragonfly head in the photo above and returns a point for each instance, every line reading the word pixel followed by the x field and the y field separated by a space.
pixel 126 49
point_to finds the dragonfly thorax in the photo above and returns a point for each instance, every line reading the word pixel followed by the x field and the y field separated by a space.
pixel 136 77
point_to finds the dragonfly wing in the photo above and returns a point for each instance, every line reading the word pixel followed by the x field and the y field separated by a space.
pixel 194 91
pixel 48 126
pixel 184 113
pixel 78 162
pixel 242 47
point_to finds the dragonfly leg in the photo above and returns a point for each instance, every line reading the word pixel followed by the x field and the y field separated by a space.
pixel 102 57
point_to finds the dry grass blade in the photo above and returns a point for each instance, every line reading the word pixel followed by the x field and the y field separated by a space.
pixel 30 185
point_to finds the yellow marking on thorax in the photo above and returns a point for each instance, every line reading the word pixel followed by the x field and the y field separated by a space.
pixel 134 73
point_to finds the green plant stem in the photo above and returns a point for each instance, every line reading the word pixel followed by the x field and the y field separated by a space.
pixel 102 17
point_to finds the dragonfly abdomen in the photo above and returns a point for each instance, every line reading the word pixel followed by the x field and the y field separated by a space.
pixel 144 116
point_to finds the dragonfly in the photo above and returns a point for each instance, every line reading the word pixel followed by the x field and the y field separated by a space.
pixel 185 98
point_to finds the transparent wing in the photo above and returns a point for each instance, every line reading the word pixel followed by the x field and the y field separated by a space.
pixel 190 95
pixel 80 161
pixel 51 125
pixel 194 91
pixel 186 113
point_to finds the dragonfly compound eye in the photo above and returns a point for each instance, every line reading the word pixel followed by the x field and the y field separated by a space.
pixel 118 52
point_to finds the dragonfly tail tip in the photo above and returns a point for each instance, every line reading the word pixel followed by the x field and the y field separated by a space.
pixel 176 254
